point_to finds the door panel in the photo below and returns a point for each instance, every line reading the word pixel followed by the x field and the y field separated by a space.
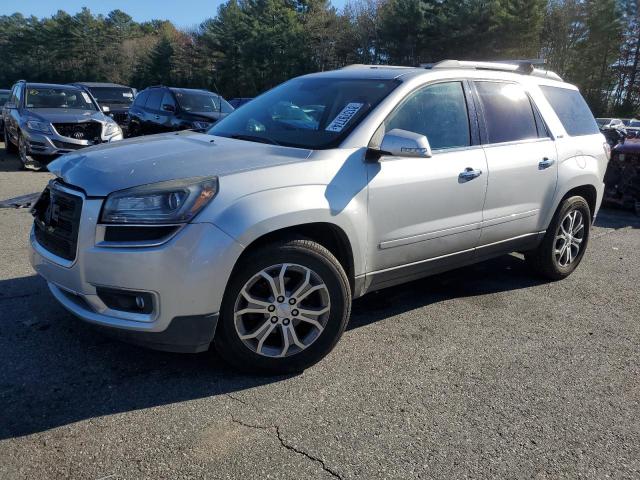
pixel 520 187
pixel 419 208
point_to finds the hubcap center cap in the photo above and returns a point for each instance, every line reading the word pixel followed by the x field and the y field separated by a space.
pixel 284 309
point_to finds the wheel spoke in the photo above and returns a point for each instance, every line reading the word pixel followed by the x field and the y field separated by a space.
pixel 313 311
pixel 285 341
pixel 310 291
pixel 312 321
pixel 578 229
pixel 303 285
pixel 272 283
pixel 258 331
pixel 244 311
pixel 272 326
pixel 283 270
pixel 294 337
pixel 252 300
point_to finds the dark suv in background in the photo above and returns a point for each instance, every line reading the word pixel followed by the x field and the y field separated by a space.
pixel 115 100
pixel 166 109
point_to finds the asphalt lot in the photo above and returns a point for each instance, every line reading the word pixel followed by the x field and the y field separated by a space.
pixel 484 372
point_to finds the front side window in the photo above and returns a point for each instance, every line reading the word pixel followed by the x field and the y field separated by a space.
pixel 439 112
pixel 154 100
pixel 508 113
pixel 314 113
pixel 572 110
pixel 64 98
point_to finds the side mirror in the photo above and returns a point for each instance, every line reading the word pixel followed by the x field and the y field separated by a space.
pixel 167 107
pixel 402 143
pixel 105 109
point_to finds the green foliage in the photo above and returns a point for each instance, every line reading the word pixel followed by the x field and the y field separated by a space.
pixel 252 45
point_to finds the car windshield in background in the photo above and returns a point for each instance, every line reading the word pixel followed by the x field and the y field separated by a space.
pixel 112 95
pixel 634 123
pixel 602 121
pixel 58 98
pixel 311 113
pixel 201 102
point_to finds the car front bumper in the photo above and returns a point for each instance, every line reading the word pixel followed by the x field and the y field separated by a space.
pixel 52 144
pixel 186 277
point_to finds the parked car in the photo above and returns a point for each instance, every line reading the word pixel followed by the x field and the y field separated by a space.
pixel 4 96
pixel 238 102
pixel 167 109
pixel 115 100
pixel 256 235
pixel 609 123
pixel 43 121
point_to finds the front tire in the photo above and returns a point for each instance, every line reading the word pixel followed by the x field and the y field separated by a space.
pixel 286 306
pixel 565 241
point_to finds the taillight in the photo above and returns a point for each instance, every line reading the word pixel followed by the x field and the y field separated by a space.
pixel 607 150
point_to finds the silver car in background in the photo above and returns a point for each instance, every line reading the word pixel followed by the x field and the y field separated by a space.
pixel 43 121
pixel 256 236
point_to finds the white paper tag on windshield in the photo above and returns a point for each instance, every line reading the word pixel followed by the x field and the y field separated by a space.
pixel 343 117
pixel 86 97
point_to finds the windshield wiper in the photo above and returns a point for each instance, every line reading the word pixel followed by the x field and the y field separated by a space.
pixel 254 138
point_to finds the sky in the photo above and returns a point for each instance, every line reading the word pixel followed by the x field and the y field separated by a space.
pixel 183 13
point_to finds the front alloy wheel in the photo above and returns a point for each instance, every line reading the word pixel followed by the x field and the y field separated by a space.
pixel 282 310
pixel 285 308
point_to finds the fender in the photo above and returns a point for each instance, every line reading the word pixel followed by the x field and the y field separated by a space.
pixel 573 172
pixel 257 214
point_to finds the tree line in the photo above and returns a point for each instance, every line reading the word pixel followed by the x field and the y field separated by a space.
pixel 248 46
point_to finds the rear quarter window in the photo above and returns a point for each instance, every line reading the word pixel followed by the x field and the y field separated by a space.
pixel 572 110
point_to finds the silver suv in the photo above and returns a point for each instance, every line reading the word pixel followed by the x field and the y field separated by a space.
pixel 255 236
pixel 43 121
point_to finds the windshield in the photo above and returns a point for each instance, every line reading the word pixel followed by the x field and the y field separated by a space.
pixel 66 98
pixel 112 95
pixel 202 102
pixel 311 113
pixel 634 123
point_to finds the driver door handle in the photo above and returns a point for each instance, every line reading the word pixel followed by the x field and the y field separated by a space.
pixel 545 163
pixel 469 174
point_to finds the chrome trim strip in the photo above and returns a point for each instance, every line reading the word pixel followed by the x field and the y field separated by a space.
pixel 509 218
pixel 429 236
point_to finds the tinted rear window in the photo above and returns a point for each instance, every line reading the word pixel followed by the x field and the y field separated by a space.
pixel 507 112
pixel 141 98
pixel 154 100
pixel 572 110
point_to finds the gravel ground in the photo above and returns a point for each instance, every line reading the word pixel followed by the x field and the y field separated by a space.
pixel 484 372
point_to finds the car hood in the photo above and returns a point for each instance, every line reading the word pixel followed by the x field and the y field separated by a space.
pixel 57 115
pixel 106 168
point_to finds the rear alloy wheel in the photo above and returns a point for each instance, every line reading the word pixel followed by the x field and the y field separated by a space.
pixel 565 242
pixel 285 308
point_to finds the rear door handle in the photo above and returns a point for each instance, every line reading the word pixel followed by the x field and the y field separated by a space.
pixel 469 174
pixel 545 163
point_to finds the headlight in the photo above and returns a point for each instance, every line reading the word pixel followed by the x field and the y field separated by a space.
pixel 200 125
pixel 175 201
pixel 36 126
pixel 111 129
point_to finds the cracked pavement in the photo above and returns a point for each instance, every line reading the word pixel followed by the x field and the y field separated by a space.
pixel 484 372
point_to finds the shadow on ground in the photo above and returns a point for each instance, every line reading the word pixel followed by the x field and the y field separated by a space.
pixel 58 370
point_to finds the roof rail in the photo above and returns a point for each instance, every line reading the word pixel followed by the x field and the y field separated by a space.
pixel 362 65
pixel 523 67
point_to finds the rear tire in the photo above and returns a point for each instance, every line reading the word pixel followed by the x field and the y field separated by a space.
pixel 565 241
pixel 290 322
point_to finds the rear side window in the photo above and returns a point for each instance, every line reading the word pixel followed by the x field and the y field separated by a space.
pixel 154 100
pixel 508 112
pixel 141 98
pixel 572 110
pixel 167 99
